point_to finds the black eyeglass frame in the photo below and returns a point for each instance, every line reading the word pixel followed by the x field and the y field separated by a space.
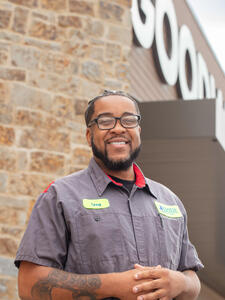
pixel 116 119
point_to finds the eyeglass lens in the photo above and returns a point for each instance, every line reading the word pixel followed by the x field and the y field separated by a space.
pixel 110 122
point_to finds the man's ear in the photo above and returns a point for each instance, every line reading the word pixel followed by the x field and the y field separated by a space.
pixel 88 136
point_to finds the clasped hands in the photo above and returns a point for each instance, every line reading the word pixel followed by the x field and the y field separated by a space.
pixel 157 283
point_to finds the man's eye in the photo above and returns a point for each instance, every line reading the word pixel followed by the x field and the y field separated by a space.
pixel 105 121
pixel 129 120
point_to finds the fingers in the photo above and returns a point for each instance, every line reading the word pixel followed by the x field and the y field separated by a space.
pixel 148 273
pixel 140 267
pixel 155 295
pixel 147 286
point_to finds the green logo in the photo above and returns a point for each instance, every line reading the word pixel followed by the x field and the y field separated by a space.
pixel 96 203
pixel 171 211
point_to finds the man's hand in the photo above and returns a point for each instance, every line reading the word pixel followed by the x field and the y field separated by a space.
pixel 164 284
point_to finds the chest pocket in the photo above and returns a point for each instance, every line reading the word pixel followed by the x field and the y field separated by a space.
pixel 170 236
pixel 99 237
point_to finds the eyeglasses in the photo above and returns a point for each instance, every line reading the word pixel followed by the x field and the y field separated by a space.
pixel 107 122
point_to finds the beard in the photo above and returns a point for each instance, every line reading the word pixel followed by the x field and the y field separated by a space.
pixel 119 165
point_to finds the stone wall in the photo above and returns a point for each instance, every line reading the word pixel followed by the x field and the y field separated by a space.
pixel 54 56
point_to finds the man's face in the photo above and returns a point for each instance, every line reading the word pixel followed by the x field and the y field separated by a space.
pixel 115 148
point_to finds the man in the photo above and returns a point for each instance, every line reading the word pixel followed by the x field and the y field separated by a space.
pixel 108 232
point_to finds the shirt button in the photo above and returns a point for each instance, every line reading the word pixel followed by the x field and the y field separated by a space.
pixel 97 218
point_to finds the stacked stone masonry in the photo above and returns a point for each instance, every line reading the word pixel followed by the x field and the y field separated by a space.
pixel 54 56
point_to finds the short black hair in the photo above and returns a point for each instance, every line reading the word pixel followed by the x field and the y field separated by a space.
pixel 91 109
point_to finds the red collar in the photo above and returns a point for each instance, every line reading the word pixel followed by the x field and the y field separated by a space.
pixel 140 180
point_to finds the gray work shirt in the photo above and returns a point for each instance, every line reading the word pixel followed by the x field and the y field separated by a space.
pixel 87 223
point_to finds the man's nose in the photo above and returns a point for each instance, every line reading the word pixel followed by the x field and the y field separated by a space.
pixel 118 127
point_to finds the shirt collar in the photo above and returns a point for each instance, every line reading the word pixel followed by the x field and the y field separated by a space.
pixel 101 179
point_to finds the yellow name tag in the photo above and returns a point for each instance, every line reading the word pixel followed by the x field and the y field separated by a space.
pixel 95 203
pixel 171 211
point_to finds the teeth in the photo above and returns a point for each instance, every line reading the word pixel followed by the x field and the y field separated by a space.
pixel 118 143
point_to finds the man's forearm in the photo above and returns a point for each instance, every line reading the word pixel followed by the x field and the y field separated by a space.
pixel 44 283
pixel 192 286
pixel 37 282
pixel 59 283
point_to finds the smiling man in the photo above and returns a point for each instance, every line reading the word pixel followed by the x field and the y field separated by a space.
pixel 108 232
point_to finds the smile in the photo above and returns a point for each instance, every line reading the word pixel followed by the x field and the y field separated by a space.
pixel 118 143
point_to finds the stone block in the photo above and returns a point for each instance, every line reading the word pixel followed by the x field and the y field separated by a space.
pixel 28 118
pixel 79 138
pixel 12 74
pixel 21 160
pixel 69 21
pixel 81 156
pixel 63 107
pixel 11 231
pixel 58 63
pixel 92 71
pixel 5 16
pixel 6 113
pixel 126 3
pixel 29 97
pixel 112 52
pixel 8 288
pixel 3 181
pixel 53 4
pixel 89 89
pixel 96 53
pixel 11 37
pixel 44 45
pixel 42 30
pixel 76 43
pixel 52 122
pixel 81 7
pixel 20 20
pixel 111 84
pixel 45 139
pixel 67 85
pixel 28 3
pixel 7 136
pixel 4 92
pixel 80 107
pixel 12 216
pixel 44 162
pixel 94 28
pixel 4 53
pixel 44 15
pixel 126 51
pixel 120 35
pixel 8 246
pixel 109 69
pixel 110 11
pixel 23 184
pixel 25 57
pixel 7 159
pixel 122 71
pixel 7 268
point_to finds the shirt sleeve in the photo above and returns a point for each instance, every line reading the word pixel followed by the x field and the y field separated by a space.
pixel 45 240
pixel 189 258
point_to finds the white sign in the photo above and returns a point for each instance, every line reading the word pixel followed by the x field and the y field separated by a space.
pixel 173 66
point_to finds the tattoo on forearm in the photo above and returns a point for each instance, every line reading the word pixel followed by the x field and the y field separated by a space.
pixel 79 285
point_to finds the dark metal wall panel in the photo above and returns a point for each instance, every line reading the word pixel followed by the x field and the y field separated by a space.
pixel 183 152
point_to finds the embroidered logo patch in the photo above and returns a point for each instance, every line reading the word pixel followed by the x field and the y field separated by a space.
pixel 171 211
pixel 96 203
